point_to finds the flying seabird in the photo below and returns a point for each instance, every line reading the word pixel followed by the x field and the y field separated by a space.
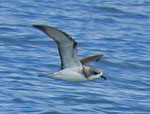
pixel 72 68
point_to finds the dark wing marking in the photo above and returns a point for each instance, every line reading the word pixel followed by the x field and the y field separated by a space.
pixel 67 46
pixel 88 60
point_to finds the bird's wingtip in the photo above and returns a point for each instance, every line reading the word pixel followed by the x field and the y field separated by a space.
pixel 37 25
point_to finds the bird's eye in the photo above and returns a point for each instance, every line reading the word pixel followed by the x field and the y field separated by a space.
pixel 95 73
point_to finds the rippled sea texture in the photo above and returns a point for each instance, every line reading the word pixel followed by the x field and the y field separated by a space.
pixel 120 30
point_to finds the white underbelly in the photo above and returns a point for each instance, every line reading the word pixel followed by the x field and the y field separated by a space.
pixel 70 75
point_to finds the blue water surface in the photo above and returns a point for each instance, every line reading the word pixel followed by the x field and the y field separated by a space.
pixel 120 30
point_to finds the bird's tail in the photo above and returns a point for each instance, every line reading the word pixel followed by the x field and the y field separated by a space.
pixel 50 75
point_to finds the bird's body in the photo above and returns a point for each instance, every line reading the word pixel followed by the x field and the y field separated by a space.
pixel 70 74
pixel 72 68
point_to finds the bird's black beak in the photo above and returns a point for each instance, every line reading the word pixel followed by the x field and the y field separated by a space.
pixel 103 77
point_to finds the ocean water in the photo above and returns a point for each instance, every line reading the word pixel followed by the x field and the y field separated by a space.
pixel 120 30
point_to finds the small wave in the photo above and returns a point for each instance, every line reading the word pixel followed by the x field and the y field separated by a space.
pixel 51 112
pixel 109 9
pixel 120 13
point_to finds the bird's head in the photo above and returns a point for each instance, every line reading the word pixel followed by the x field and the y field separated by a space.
pixel 94 73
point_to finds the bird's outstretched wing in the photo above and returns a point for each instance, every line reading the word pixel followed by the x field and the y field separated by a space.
pixel 88 60
pixel 67 47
